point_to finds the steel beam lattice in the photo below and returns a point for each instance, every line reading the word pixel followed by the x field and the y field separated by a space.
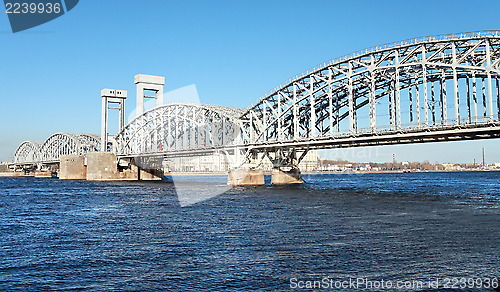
pixel 385 89
pixel 56 145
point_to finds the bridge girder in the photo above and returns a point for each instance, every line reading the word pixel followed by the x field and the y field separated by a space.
pixel 28 152
pixel 67 144
pixel 180 127
pixel 390 87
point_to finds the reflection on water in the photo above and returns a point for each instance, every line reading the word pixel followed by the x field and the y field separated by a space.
pixel 136 236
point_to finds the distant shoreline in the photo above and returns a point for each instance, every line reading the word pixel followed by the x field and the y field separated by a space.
pixel 20 174
pixel 331 172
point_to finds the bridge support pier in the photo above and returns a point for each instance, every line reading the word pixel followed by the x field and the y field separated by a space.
pixel 242 177
pixel 44 174
pixel 72 167
pixel 286 175
pixel 105 166
pixel 285 161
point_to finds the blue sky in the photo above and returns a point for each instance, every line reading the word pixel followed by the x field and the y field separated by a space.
pixel 234 51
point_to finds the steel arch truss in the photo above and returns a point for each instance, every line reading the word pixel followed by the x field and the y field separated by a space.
pixel 67 144
pixel 420 84
pixel 180 128
pixel 27 153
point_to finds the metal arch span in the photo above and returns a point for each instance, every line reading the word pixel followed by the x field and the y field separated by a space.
pixel 67 144
pixel 430 84
pixel 28 152
pixel 181 127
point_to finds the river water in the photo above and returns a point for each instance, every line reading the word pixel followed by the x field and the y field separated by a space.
pixel 138 236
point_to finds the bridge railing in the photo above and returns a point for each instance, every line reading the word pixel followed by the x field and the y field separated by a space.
pixel 408 128
pixel 427 126
pixel 412 41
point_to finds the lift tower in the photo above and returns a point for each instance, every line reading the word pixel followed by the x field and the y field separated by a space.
pixel 111 98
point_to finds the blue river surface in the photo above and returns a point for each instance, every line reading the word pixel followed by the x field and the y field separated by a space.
pixel 58 235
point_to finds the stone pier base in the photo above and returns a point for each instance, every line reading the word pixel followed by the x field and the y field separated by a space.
pixel 240 177
pixel 72 167
pixel 151 174
pixel 103 166
pixel 43 174
pixel 286 176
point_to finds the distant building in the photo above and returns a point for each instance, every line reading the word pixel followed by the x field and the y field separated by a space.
pixel 221 163
pixel 310 161
pixel 452 167
pixel 209 163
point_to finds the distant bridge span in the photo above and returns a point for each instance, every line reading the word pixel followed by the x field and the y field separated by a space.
pixel 50 151
pixel 438 88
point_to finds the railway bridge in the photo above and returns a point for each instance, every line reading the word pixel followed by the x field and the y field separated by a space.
pixel 427 89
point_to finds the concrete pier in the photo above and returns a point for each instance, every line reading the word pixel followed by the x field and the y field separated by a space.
pixel 151 174
pixel 240 177
pixel 43 174
pixel 103 166
pixel 286 176
pixel 72 167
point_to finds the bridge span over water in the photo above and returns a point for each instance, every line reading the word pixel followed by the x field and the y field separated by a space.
pixel 428 89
